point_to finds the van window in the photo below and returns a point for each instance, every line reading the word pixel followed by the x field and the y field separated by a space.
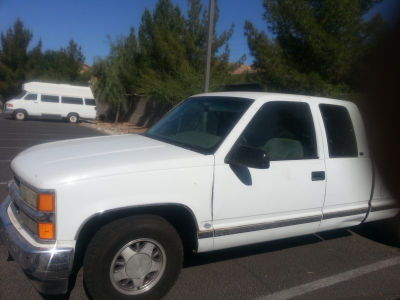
pixel 284 130
pixel 90 102
pixel 20 95
pixel 339 131
pixel 71 100
pixel 31 97
pixel 50 98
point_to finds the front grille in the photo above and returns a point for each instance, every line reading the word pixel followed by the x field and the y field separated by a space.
pixel 16 191
pixel 28 222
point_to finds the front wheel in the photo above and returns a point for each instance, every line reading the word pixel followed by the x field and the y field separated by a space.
pixel 20 115
pixel 137 257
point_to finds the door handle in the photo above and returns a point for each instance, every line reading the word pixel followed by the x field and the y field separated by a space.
pixel 318 175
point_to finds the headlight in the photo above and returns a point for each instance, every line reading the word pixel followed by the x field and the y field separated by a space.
pixel 43 202
pixel 29 196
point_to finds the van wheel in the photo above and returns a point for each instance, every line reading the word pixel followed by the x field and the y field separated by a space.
pixel 136 257
pixel 73 118
pixel 20 115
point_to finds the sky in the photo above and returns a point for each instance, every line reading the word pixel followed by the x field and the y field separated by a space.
pixel 92 22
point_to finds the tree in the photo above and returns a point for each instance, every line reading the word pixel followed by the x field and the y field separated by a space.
pixel 317 45
pixel 35 62
pixel 18 64
pixel 165 60
pixel 74 60
pixel 173 50
pixel 115 77
pixel 61 65
pixel 108 87
pixel 13 58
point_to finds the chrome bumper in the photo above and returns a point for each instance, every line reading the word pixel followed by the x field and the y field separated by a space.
pixel 47 266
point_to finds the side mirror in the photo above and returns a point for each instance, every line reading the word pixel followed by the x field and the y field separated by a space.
pixel 248 157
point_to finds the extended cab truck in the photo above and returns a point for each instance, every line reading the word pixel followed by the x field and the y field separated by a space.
pixel 49 100
pixel 220 170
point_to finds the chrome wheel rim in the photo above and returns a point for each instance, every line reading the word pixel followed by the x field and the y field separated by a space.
pixel 138 266
pixel 73 119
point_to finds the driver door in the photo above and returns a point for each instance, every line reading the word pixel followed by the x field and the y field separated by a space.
pixel 255 205
pixel 31 104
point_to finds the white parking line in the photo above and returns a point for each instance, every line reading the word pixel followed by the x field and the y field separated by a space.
pixel 3 183
pixel 329 281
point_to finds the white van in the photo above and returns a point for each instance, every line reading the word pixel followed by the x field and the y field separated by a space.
pixel 49 100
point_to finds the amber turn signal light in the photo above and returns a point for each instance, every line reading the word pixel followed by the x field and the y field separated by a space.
pixel 46 231
pixel 45 203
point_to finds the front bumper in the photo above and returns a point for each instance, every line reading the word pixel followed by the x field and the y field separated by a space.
pixel 8 111
pixel 46 265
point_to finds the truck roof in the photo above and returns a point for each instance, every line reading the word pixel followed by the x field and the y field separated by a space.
pixel 58 89
pixel 265 96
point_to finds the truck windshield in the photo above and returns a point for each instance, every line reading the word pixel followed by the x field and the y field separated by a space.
pixel 200 123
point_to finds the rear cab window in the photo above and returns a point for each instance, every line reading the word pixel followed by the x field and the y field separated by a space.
pixel 72 100
pixel 339 131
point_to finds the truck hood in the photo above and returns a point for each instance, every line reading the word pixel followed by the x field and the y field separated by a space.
pixel 49 165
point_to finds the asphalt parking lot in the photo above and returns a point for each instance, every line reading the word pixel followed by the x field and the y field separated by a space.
pixel 362 263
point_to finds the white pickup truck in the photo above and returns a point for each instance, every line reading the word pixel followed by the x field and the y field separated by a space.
pixel 220 170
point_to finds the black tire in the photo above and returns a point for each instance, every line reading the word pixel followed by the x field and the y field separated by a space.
pixel 19 115
pixel 105 253
pixel 73 118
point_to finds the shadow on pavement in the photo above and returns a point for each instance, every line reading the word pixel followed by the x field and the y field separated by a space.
pixel 10 118
pixel 192 259
pixel 55 297
pixel 36 119
pixel 385 232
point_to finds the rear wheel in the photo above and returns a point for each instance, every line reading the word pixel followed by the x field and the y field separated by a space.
pixel 137 257
pixel 73 118
pixel 20 115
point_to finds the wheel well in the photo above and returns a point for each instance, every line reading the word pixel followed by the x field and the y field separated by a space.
pixel 179 216
pixel 21 109
pixel 72 113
